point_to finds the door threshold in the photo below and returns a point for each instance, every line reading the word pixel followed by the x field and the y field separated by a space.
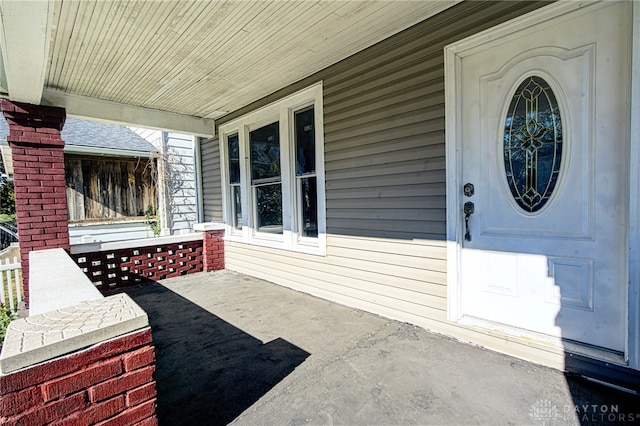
pixel 541 340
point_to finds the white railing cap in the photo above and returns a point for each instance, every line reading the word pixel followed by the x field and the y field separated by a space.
pixel 133 244
pixel 55 282
pixel 209 226
pixel 42 337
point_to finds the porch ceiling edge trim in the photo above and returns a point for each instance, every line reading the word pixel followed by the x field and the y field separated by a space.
pixel 84 107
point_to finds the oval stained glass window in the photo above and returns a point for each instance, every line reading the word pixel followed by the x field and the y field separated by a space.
pixel 532 144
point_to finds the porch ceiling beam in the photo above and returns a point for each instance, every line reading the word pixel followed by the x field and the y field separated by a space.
pixel 24 40
pixel 84 107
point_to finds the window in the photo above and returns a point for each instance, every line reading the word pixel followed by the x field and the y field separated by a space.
pixel 266 181
pixel 307 192
pixel 234 182
pixel 274 174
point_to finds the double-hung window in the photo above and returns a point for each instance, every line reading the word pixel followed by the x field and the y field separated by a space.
pixel 266 178
pixel 235 196
pixel 273 174
pixel 306 177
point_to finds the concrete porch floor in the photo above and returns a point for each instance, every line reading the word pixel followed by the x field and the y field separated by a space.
pixel 235 349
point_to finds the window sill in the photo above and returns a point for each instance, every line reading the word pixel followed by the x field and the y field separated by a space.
pixel 108 221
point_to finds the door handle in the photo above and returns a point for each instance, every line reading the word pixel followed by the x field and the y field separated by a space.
pixel 469 208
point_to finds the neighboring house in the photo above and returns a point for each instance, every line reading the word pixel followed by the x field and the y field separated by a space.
pixel 469 167
pixel 116 179
pixel 177 177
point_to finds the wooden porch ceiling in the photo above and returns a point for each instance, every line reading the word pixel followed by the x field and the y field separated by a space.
pixel 179 65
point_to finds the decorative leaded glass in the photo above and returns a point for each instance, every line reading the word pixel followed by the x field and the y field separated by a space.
pixel 533 144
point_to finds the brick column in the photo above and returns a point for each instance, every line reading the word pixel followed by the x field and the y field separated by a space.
pixel 39 180
pixel 213 246
pixel 109 383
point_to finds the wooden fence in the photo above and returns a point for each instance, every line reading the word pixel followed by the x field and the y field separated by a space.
pixel 109 187
pixel 11 284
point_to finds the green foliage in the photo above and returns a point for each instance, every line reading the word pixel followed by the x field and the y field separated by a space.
pixel 6 316
pixel 7 198
pixel 7 217
pixel 152 223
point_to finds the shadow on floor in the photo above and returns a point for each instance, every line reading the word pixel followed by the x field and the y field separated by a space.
pixel 207 370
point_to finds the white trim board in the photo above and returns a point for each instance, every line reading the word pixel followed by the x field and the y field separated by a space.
pixel 633 344
pixel 281 111
pixel 88 108
pixel 24 41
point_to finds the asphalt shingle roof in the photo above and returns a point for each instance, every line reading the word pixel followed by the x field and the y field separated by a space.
pixel 94 134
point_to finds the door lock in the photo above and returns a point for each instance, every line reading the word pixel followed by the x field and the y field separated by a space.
pixel 468 189
pixel 468 210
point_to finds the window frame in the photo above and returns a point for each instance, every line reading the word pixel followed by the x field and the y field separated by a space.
pixel 231 186
pixel 283 111
pixel 298 180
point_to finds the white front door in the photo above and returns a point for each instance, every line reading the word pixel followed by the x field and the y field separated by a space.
pixel 544 137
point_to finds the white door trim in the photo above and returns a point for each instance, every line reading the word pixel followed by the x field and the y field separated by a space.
pixel 453 55
pixel 633 342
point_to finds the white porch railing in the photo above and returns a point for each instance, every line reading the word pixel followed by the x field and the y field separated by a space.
pixel 11 287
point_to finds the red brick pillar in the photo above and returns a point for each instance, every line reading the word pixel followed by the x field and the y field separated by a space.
pixel 39 180
pixel 109 383
pixel 213 246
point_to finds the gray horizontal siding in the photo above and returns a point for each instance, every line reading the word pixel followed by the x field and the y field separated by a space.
pixel 384 124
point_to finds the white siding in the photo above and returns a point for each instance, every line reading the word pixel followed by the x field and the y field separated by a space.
pixel 180 186
pixel 177 187
pixel 103 232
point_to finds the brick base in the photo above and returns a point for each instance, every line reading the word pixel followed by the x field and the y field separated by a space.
pixel 108 384
pixel 213 250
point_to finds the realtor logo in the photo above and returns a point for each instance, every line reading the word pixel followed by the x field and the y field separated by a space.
pixel 544 411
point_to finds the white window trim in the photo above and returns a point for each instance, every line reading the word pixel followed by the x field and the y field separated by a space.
pixel 281 111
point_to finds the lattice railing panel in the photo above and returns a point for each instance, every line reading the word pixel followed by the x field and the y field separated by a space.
pixel 123 267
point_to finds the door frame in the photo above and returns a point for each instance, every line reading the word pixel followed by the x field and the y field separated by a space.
pixel 490 38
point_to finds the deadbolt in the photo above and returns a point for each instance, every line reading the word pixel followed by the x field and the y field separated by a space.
pixel 468 189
